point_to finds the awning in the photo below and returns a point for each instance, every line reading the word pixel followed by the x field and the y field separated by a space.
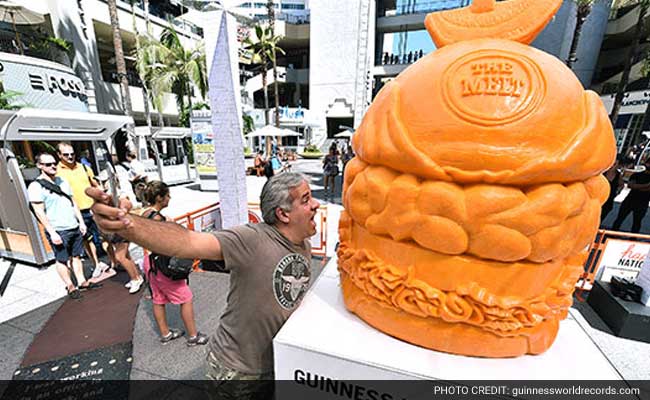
pixel 40 124
pixel 270 130
pixel 168 132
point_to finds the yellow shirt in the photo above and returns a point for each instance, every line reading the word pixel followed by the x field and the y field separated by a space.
pixel 78 178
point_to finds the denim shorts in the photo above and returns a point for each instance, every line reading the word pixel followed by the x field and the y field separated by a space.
pixel 72 245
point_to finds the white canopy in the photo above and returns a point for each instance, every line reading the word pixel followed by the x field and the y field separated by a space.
pixel 16 14
pixel 167 132
pixel 39 124
pixel 344 134
pixel 271 130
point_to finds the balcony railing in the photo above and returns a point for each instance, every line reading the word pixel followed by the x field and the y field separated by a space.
pixel 295 19
pixel 396 59
pixel 418 7
pixel 34 45
pixel 112 76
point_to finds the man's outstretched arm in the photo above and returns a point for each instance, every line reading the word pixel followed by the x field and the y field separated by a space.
pixel 166 238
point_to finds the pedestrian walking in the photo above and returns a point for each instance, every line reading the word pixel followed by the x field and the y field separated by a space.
pixel 121 255
pixel 51 199
pixel 79 177
pixel 330 171
pixel 269 266
pixel 165 290
pixel 636 202
pixel 614 176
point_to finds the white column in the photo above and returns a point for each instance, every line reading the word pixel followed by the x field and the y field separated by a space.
pixel 225 105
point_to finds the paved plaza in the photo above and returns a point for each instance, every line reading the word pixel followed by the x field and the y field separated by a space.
pixel 34 295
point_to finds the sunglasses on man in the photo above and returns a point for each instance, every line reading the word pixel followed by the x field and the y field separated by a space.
pixel 48 164
pixel 67 154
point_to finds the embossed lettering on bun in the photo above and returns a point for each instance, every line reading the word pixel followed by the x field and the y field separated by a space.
pixel 474 193
pixel 555 131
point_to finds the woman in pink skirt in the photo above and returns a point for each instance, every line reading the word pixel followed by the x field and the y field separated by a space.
pixel 163 289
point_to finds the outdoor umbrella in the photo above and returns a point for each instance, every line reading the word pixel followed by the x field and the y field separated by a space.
pixel 271 130
pixel 18 15
pixel 344 134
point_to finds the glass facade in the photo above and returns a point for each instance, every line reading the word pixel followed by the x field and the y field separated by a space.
pixel 403 47
pixel 387 8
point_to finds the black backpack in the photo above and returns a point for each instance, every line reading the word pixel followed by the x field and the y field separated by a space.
pixel 268 169
pixel 176 269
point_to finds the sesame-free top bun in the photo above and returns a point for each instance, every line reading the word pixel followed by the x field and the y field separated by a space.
pixel 488 110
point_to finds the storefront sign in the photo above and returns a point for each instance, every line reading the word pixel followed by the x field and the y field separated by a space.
pixel 622 258
pixel 203 144
pixel 295 115
pixel 42 84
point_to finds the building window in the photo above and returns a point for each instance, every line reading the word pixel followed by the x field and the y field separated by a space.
pixel 402 47
pixel 387 8
pixel 263 5
pixel 293 6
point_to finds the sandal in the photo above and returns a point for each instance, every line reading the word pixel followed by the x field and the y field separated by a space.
pixel 90 286
pixel 74 294
pixel 173 334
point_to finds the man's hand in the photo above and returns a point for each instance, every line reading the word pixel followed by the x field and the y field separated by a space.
pixel 166 238
pixel 83 229
pixel 56 239
pixel 109 219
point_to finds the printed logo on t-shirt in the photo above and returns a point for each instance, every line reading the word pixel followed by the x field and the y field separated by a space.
pixel 290 280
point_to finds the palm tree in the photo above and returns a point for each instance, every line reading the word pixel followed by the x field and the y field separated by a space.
pixel 171 68
pixel 120 64
pixel 582 12
pixel 248 124
pixel 645 72
pixel 144 63
pixel 631 56
pixel 264 50
pixel 145 95
pixel 270 9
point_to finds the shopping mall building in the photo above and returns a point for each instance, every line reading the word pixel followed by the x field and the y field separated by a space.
pixel 338 53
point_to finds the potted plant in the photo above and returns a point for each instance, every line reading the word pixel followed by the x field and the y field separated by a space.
pixel 311 152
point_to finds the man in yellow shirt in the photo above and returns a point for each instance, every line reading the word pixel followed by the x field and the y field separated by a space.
pixel 80 177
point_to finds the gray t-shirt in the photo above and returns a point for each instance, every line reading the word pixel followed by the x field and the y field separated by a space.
pixel 269 276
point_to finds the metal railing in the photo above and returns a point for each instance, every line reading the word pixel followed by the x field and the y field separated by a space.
pixel 34 45
pixel 417 7
pixel 112 76
pixel 295 19
pixel 399 59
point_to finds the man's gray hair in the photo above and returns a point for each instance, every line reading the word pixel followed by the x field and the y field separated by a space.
pixel 275 194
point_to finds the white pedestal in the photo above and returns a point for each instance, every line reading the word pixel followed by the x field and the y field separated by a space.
pixel 322 338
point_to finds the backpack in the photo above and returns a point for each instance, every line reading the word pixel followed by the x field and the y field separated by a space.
pixel 174 268
pixel 268 170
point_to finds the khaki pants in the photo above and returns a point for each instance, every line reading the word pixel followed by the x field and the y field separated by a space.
pixel 226 383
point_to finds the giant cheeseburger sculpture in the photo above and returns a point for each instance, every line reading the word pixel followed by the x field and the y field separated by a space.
pixel 476 189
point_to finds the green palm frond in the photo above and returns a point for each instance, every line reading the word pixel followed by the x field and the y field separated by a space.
pixel 168 67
